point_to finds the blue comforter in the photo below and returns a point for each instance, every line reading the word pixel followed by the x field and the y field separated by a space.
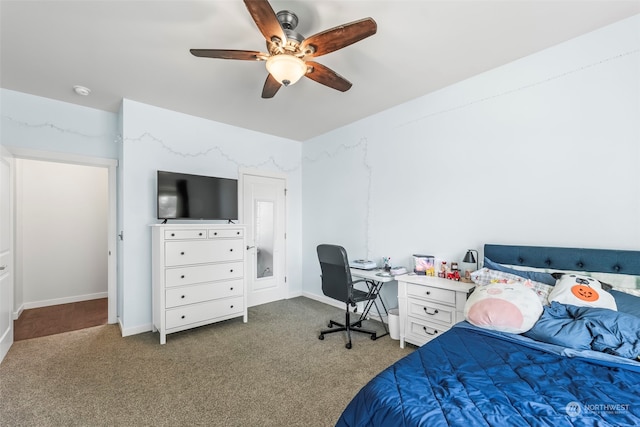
pixel 597 329
pixel 473 377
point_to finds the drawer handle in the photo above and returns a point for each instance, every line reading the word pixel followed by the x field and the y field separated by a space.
pixel 231 288
pixel 173 234
pixel 181 253
pixel 182 317
pixel 237 232
pixel 430 333
pixel 230 250
pixel 231 271
pixel 199 234
pixel 231 306
pixel 215 233
pixel 428 292
pixel 435 311
pixel 182 277
pixel 182 297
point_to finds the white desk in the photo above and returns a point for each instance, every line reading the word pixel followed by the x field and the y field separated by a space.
pixel 372 275
pixel 374 284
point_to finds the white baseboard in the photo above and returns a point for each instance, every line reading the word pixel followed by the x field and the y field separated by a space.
pixel 294 294
pixel 65 300
pixel 18 312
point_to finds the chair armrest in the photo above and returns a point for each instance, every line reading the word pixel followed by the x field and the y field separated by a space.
pixel 353 282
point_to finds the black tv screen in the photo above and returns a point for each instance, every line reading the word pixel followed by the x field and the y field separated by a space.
pixel 185 196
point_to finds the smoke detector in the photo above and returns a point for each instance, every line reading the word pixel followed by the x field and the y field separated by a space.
pixel 81 90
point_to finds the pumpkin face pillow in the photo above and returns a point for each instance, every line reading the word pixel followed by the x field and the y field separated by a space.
pixel 582 291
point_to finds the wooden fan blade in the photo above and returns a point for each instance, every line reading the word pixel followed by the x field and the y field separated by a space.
pixel 248 55
pixel 327 77
pixel 339 37
pixel 271 87
pixel 266 19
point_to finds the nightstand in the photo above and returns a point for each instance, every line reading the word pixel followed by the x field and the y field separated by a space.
pixel 429 306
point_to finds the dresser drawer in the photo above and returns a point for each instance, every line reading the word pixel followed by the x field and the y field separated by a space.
pixel 431 312
pixel 444 296
pixel 218 234
pixel 185 234
pixel 419 331
pixel 195 313
pixel 202 251
pixel 184 295
pixel 203 273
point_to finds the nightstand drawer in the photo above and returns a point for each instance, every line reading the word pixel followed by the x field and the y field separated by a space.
pixel 431 312
pixel 444 296
pixel 203 273
pixel 181 316
pixel 420 332
pixel 184 295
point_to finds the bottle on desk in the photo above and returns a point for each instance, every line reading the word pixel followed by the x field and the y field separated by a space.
pixel 386 262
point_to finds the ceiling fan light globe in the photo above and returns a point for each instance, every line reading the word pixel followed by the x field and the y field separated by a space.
pixel 286 69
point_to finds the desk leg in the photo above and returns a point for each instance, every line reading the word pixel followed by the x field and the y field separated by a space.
pixel 374 291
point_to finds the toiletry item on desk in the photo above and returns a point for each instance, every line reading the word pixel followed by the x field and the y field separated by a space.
pixel 393 271
pixel 396 271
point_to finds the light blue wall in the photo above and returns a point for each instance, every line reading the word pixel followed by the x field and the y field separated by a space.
pixel 154 138
pixel 544 150
pixel 33 122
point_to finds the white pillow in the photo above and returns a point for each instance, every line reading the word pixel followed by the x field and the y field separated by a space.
pixel 583 291
pixel 503 307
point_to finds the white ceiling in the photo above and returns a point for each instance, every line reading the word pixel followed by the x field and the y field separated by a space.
pixel 139 50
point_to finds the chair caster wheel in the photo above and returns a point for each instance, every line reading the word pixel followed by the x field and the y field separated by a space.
pixel 321 337
pixel 329 325
pixel 373 337
pixel 348 345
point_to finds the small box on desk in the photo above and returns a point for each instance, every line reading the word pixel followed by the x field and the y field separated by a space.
pixel 424 265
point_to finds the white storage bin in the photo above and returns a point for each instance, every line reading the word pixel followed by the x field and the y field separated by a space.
pixel 394 324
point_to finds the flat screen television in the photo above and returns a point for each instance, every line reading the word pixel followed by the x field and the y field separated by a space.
pixel 185 196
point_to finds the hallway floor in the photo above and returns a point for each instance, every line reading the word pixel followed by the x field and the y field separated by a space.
pixel 55 319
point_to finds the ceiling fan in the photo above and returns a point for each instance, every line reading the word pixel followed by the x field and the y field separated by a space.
pixel 290 55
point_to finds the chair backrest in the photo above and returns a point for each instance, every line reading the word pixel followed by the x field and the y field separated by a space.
pixel 336 275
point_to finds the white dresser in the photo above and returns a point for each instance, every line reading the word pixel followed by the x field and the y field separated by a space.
pixel 429 306
pixel 198 275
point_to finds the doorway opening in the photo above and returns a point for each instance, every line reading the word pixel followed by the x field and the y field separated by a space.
pixel 65 230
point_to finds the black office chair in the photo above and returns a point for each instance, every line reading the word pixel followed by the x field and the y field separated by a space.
pixel 338 284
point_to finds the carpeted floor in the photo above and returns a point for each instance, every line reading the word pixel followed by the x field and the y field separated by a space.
pixel 272 371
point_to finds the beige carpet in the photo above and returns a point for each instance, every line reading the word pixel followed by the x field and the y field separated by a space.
pixel 272 371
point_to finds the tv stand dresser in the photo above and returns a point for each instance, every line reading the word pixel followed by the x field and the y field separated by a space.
pixel 198 275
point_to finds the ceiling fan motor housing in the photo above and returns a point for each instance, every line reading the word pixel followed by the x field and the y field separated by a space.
pixel 289 21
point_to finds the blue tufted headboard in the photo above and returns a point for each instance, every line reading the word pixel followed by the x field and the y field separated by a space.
pixel 574 259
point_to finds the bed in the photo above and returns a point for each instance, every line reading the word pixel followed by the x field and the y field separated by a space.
pixel 477 375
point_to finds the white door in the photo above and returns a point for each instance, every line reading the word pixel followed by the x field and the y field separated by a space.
pixel 264 215
pixel 6 253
